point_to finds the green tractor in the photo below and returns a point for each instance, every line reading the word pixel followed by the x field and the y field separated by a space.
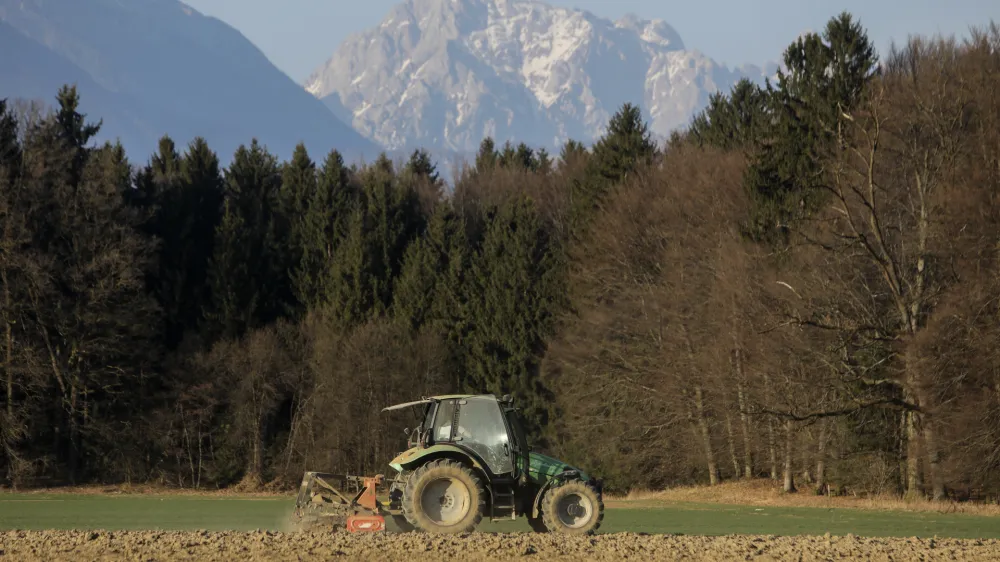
pixel 467 459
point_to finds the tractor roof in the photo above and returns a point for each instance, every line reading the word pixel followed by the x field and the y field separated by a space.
pixel 429 399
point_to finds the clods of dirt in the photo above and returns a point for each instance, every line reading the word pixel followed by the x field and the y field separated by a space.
pixel 475 547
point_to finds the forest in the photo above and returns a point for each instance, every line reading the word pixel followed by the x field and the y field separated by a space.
pixel 802 285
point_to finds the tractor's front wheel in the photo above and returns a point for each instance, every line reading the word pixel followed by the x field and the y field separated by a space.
pixel 572 508
pixel 443 496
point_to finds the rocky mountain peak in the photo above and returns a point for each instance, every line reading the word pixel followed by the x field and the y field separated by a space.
pixel 443 74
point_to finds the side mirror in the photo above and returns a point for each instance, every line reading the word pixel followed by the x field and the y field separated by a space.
pixel 507 398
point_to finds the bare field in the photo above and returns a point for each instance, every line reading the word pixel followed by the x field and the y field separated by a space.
pixel 266 545
pixel 735 521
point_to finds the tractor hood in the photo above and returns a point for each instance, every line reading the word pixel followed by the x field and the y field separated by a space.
pixel 542 468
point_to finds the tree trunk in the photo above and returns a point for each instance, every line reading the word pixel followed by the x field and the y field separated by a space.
pixel 933 459
pixel 706 435
pixel 732 445
pixel 821 458
pixel 915 422
pixel 74 432
pixel 789 485
pixel 745 427
pixel 914 487
pixel 8 362
pixel 257 455
pixel 772 447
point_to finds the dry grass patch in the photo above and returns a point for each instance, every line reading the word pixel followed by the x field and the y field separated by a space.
pixel 768 493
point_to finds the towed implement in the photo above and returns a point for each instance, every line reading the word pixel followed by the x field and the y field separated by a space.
pixel 335 500
pixel 467 459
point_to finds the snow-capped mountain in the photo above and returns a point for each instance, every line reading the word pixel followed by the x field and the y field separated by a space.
pixel 443 74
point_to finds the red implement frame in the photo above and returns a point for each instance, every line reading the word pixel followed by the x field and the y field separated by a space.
pixel 367 500
pixel 364 512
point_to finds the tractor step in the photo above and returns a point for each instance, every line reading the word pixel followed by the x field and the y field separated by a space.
pixel 504 500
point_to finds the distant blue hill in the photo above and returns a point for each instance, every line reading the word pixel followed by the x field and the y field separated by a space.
pixel 155 67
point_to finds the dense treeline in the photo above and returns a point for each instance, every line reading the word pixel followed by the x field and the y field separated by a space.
pixel 801 286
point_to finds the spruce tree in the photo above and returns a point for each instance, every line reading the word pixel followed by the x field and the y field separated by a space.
pixel 181 197
pixel 487 157
pixel 544 161
pixel 732 121
pixel 10 145
pixel 388 219
pixel 247 276
pixel 421 166
pixel 625 148
pixel 302 223
pixel 826 78
pixel 343 196
pixel 429 286
pixel 515 289
pixel 93 313
pixel 204 190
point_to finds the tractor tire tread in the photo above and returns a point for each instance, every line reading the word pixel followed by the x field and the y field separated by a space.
pixel 548 508
pixel 452 468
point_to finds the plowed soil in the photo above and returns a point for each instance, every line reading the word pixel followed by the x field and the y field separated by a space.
pixel 265 545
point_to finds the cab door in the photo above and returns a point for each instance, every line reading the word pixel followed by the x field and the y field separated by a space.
pixel 482 429
pixel 520 449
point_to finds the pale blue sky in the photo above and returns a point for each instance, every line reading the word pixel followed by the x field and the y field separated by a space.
pixel 299 35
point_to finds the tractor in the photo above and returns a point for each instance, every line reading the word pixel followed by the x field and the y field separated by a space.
pixel 467 459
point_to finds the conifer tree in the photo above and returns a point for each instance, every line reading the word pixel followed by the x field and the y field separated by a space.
pixel 732 121
pixel 825 79
pixel 487 157
pixel 303 225
pixel 420 165
pixel 246 276
pixel 181 196
pixel 544 165
pixel 74 130
pixel 626 147
pixel 385 224
pixel 515 289
pixel 430 282
pixel 94 315
pixel 351 293
pixel 343 196
pixel 204 189
pixel 507 156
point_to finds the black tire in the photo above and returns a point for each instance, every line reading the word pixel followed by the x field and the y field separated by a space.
pixel 457 488
pixel 573 508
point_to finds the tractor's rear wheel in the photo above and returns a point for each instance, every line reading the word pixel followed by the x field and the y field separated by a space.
pixel 572 508
pixel 443 496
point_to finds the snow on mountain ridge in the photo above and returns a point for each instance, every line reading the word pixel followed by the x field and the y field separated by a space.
pixel 442 74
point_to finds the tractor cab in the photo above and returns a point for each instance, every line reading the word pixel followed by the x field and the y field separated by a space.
pixel 485 428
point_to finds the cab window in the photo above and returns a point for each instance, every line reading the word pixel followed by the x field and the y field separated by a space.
pixel 443 421
pixel 482 429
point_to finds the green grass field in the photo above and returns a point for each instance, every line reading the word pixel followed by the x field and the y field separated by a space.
pixel 165 512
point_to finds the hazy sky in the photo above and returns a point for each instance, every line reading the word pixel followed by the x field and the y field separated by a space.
pixel 299 35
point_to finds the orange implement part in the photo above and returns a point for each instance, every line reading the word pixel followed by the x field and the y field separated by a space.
pixel 365 523
pixel 366 498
